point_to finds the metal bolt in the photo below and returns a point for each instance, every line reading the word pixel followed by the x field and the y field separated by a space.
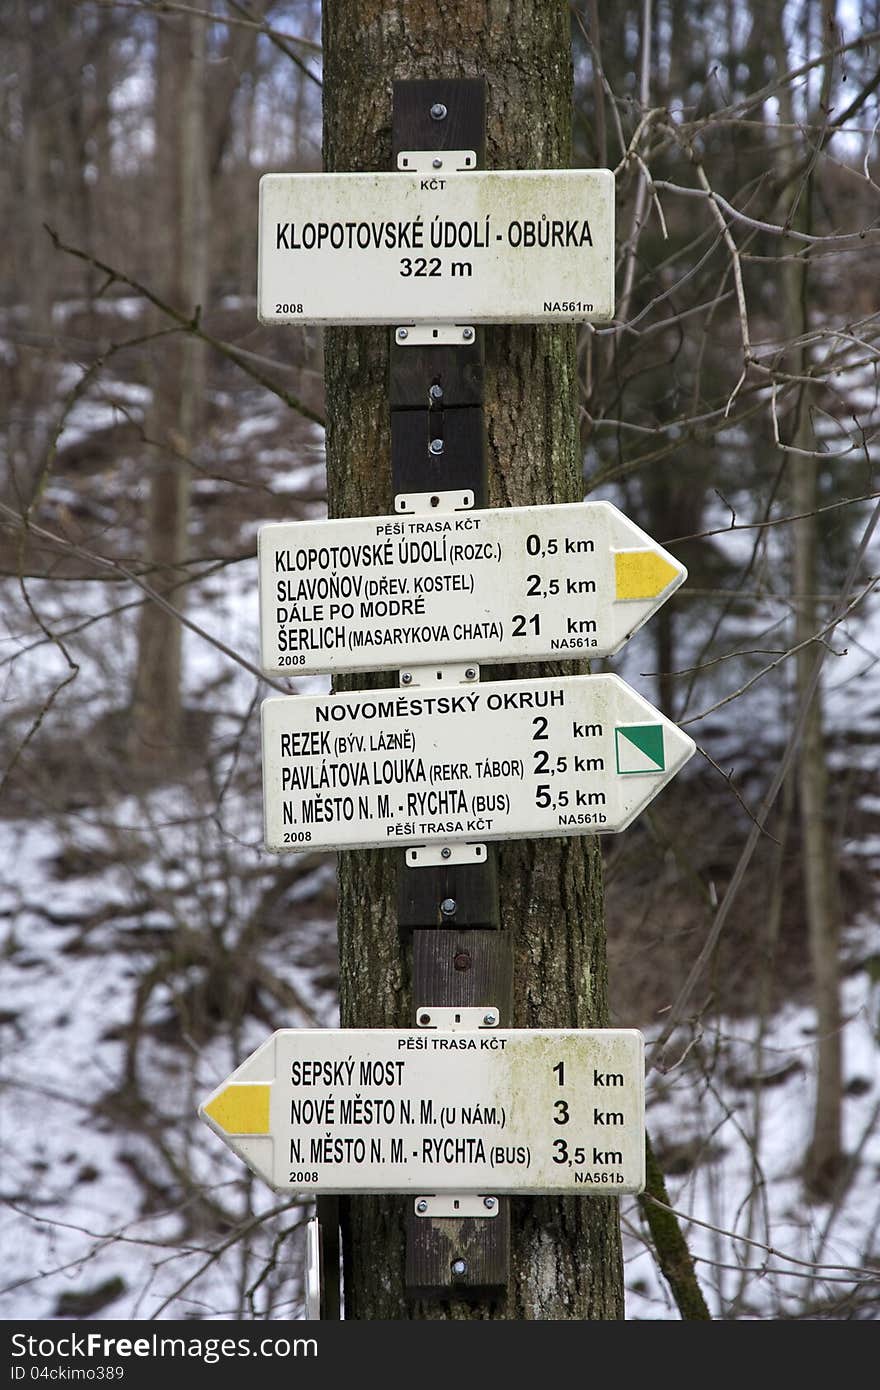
pixel 435 446
pixel 488 1203
pixel 435 392
pixel 438 111
pixel 461 960
pixel 422 1205
pixel 402 333
pixel 467 334
pixel 448 906
pixel 489 1018
pixel 470 674
pixel 405 678
pixel 459 1268
pixel 446 852
pixel 437 163
pixel 424 1019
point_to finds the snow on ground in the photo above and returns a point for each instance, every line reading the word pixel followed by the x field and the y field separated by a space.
pixel 95 1192
pixel 750 1137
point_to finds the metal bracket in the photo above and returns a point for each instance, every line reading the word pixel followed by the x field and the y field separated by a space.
pixel 417 678
pixel 450 1205
pixel 434 334
pixel 439 856
pixel 432 161
pixel 458 1254
pixel 423 503
pixel 313 1270
pixel 463 1019
pixel 462 1204
pixel 455 674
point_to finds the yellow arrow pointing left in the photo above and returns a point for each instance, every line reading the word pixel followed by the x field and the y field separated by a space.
pixel 241 1109
pixel 642 574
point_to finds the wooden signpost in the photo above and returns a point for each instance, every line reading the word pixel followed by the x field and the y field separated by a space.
pixel 454 1107
pixel 448 905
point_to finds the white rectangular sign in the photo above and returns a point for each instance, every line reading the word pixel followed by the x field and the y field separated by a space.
pixel 570 755
pixel 500 246
pixel 508 584
pixel 417 1110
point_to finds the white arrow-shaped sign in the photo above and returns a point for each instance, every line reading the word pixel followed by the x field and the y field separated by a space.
pixel 507 584
pixel 572 755
pixel 388 1110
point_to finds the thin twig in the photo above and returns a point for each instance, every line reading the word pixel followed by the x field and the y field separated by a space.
pixel 189 323
pixel 677 1011
pixel 105 561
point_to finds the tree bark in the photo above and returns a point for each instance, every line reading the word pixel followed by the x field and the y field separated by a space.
pixel 670 1246
pixel 566 1258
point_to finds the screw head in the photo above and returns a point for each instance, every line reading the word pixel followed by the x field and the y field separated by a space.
pixel 437 163
pixel 438 111
pixel 461 960
pixel 435 446
pixel 459 1268
pixel 422 1205
pixel 448 906
pixel 470 673
pixel 405 678
pixel 403 333
pixel 467 334
pixel 435 392
pixel 489 1018
pixel 424 1019
pixel 488 1203
pixel 446 852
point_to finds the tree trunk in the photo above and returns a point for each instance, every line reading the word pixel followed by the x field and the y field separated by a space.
pixel 181 273
pixel 824 1155
pixel 28 384
pixel 565 1253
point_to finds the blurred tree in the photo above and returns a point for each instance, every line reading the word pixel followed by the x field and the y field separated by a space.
pixel 193 128
pixel 181 222
pixel 824 1157
pixel 53 130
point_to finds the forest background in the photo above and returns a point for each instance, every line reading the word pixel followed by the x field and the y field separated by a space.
pixel 150 425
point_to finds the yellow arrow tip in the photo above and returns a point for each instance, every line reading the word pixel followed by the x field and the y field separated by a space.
pixel 642 574
pixel 241 1109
